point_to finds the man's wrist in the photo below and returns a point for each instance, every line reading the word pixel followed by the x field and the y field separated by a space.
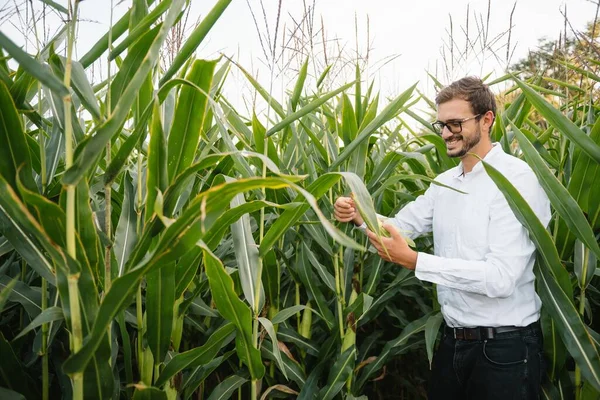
pixel 410 260
pixel 357 223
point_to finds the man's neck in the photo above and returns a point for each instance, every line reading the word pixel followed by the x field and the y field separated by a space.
pixel 469 161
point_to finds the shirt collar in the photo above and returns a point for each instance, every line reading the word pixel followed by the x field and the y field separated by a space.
pixel 496 148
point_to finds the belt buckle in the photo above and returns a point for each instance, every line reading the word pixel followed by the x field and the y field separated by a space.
pixel 458 330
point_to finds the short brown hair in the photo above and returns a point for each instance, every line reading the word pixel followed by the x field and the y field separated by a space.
pixel 471 89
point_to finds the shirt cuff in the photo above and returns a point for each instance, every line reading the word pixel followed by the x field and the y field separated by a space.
pixel 362 228
pixel 426 267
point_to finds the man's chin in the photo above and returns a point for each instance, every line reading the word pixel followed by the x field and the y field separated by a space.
pixel 456 153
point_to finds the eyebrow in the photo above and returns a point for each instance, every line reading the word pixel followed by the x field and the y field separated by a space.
pixel 450 120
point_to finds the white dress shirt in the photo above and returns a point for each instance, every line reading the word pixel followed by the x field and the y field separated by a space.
pixel 483 261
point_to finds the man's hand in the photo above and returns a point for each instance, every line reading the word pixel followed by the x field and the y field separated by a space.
pixel 398 250
pixel 345 211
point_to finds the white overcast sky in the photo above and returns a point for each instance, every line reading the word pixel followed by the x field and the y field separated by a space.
pixel 413 30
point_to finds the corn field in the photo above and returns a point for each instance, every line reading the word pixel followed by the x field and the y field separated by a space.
pixel 156 243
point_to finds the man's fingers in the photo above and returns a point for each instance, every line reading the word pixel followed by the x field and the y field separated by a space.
pixel 344 217
pixel 344 213
pixel 391 229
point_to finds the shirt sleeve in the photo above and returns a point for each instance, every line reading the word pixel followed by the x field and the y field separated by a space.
pixel 509 253
pixel 414 219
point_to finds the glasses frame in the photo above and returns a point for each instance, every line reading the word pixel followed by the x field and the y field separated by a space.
pixel 438 126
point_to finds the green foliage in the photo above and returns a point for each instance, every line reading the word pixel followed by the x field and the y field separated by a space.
pixel 217 267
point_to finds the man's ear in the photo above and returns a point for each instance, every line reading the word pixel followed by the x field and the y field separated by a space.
pixel 488 120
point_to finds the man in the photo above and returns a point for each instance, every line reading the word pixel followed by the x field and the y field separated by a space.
pixel 483 262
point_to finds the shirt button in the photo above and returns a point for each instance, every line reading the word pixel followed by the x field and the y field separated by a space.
pixel 445 303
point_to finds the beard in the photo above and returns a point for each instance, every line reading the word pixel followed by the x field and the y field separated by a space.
pixel 464 144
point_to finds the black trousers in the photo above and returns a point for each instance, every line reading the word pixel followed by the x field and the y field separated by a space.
pixel 509 366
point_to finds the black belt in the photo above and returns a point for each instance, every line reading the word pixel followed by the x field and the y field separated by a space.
pixel 482 332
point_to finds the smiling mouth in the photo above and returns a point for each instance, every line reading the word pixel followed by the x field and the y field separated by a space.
pixel 453 140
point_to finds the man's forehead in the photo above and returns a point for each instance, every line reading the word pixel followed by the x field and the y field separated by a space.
pixel 455 108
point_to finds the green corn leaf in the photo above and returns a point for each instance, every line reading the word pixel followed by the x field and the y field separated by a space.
pixel 570 326
pixel 585 264
pixel 56 6
pixel 306 109
pixel 130 67
pixel 225 389
pixel 246 254
pixel 189 118
pixel 559 196
pixel 349 126
pixel 14 151
pixel 140 28
pixel 291 367
pixel 268 325
pixel 288 335
pixel 288 218
pixel 234 310
pixel 560 122
pixel 584 72
pixel 389 112
pixel 137 136
pixel 8 394
pixel 80 84
pixel 22 231
pixel 280 388
pixel 160 300
pixel 33 66
pixel 199 355
pixel 48 214
pixel 325 276
pixel 186 271
pixel 537 232
pixel 357 162
pixel 195 39
pixel 262 91
pixel 202 372
pixel 48 315
pixel 431 332
pixel 12 373
pixel 323 75
pixel 102 45
pixel 286 313
pixel 156 175
pixel 585 173
pixel 94 147
pixel 392 180
pixel 6 291
pixel 409 330
pixel 299 85
pixel 339 373
pixel 21 293
pixel 305 274
pixel 143 392
pixel 90 253
pixel 215 234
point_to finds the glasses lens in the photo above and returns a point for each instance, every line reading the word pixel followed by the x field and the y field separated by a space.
pixel 437 127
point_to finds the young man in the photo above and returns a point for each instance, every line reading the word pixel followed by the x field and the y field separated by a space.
pixel 483 263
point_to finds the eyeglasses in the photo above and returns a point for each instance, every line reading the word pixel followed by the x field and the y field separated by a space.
pixel 454 126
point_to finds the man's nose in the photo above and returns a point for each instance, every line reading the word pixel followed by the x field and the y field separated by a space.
pixel 446 134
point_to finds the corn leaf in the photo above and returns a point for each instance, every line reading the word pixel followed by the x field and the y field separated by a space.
pixel 199 355
pixel 570 326
pixel 559 196
pixel 160 300
pixel 234 310
pixel 560 122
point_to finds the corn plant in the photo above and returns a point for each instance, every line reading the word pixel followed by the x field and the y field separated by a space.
pixel 158 243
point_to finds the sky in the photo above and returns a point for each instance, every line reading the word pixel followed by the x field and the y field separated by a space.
pixel 405 38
